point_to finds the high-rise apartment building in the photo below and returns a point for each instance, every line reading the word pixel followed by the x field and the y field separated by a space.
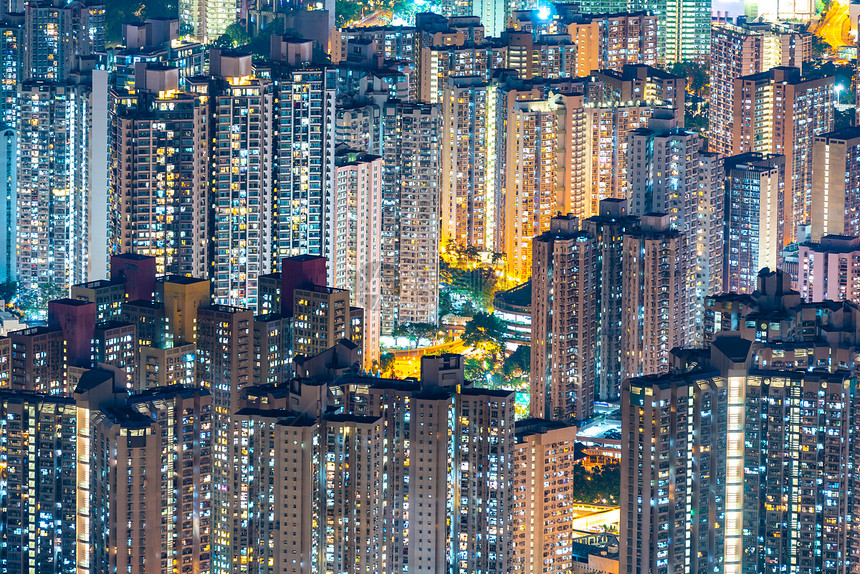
pixel 8 204
pixel 769 408
pixel 673 459
pixel 304 154
pixel 544 162
pixel 663 177
pixel 11 36
pixel 687 31
pixel 224 353
pixel 361 481
pixel 742 50
pixel 653 299
pixel 835 197
pixel 39 361
pixel 183 417
pixel 410 208
pixel 156 41
pixel 149 469
pixel 539 55
pixel 62 181
pixel 608 127
pixel 159 140
pixel 608 229
pixel 753 214
pixel 543 492
pixel 711 233
pixel 611 39
pixel 564 321
pixel 107 295
pixel 468 163
pixel 206 20
pixel 38 434
pixel 56 34
pixel 356 252
pixel 241 183
pixel 829 269
pixel 321 318
pixel 779 112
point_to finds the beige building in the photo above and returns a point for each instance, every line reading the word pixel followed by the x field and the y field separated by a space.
pixel 779 112
pixel 355 259
pixel 835 202
pixel 543 492
pixel 654 298
pixel 173 364
pixel 738 51
pixel 182 298
pixel 564 321
pixel 544 162
pixel 468 162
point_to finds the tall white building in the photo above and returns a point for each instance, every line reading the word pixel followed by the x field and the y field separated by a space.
pixel 62 181
pixel 206 20
pixel 355 259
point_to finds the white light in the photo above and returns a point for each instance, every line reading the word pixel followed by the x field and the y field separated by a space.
pixel 543 13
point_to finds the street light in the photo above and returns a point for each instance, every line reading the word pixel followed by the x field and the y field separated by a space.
pixel 838 89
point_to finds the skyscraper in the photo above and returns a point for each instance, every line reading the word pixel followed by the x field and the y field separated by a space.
pixel 159 139
pixel 544 160
pixel 8 204
pixel 671 519
pixel 608 229
pixel 56 34
pixel 206 20
pixel 62 181
pixel 468 162
pixel 564 321
pixel 753 214
pixel 742 50
pixel 829 269
pixel 304 155
pixel 356 252
pixel 410 208
pixel 543 492
pixel 779 112
pixel 835 201
pixel 654 300
pixel 224 351
pixel 38 505
pixel 765 413
pixel 241 185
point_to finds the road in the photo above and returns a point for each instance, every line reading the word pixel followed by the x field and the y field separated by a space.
pixel 835 27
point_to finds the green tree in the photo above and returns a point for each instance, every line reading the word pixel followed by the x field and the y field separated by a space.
pixel 386 362
pixel 8 290
pixel 485 331
pixel 697 75
pixel 603 484
pixel 417 331
pixel 518 364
